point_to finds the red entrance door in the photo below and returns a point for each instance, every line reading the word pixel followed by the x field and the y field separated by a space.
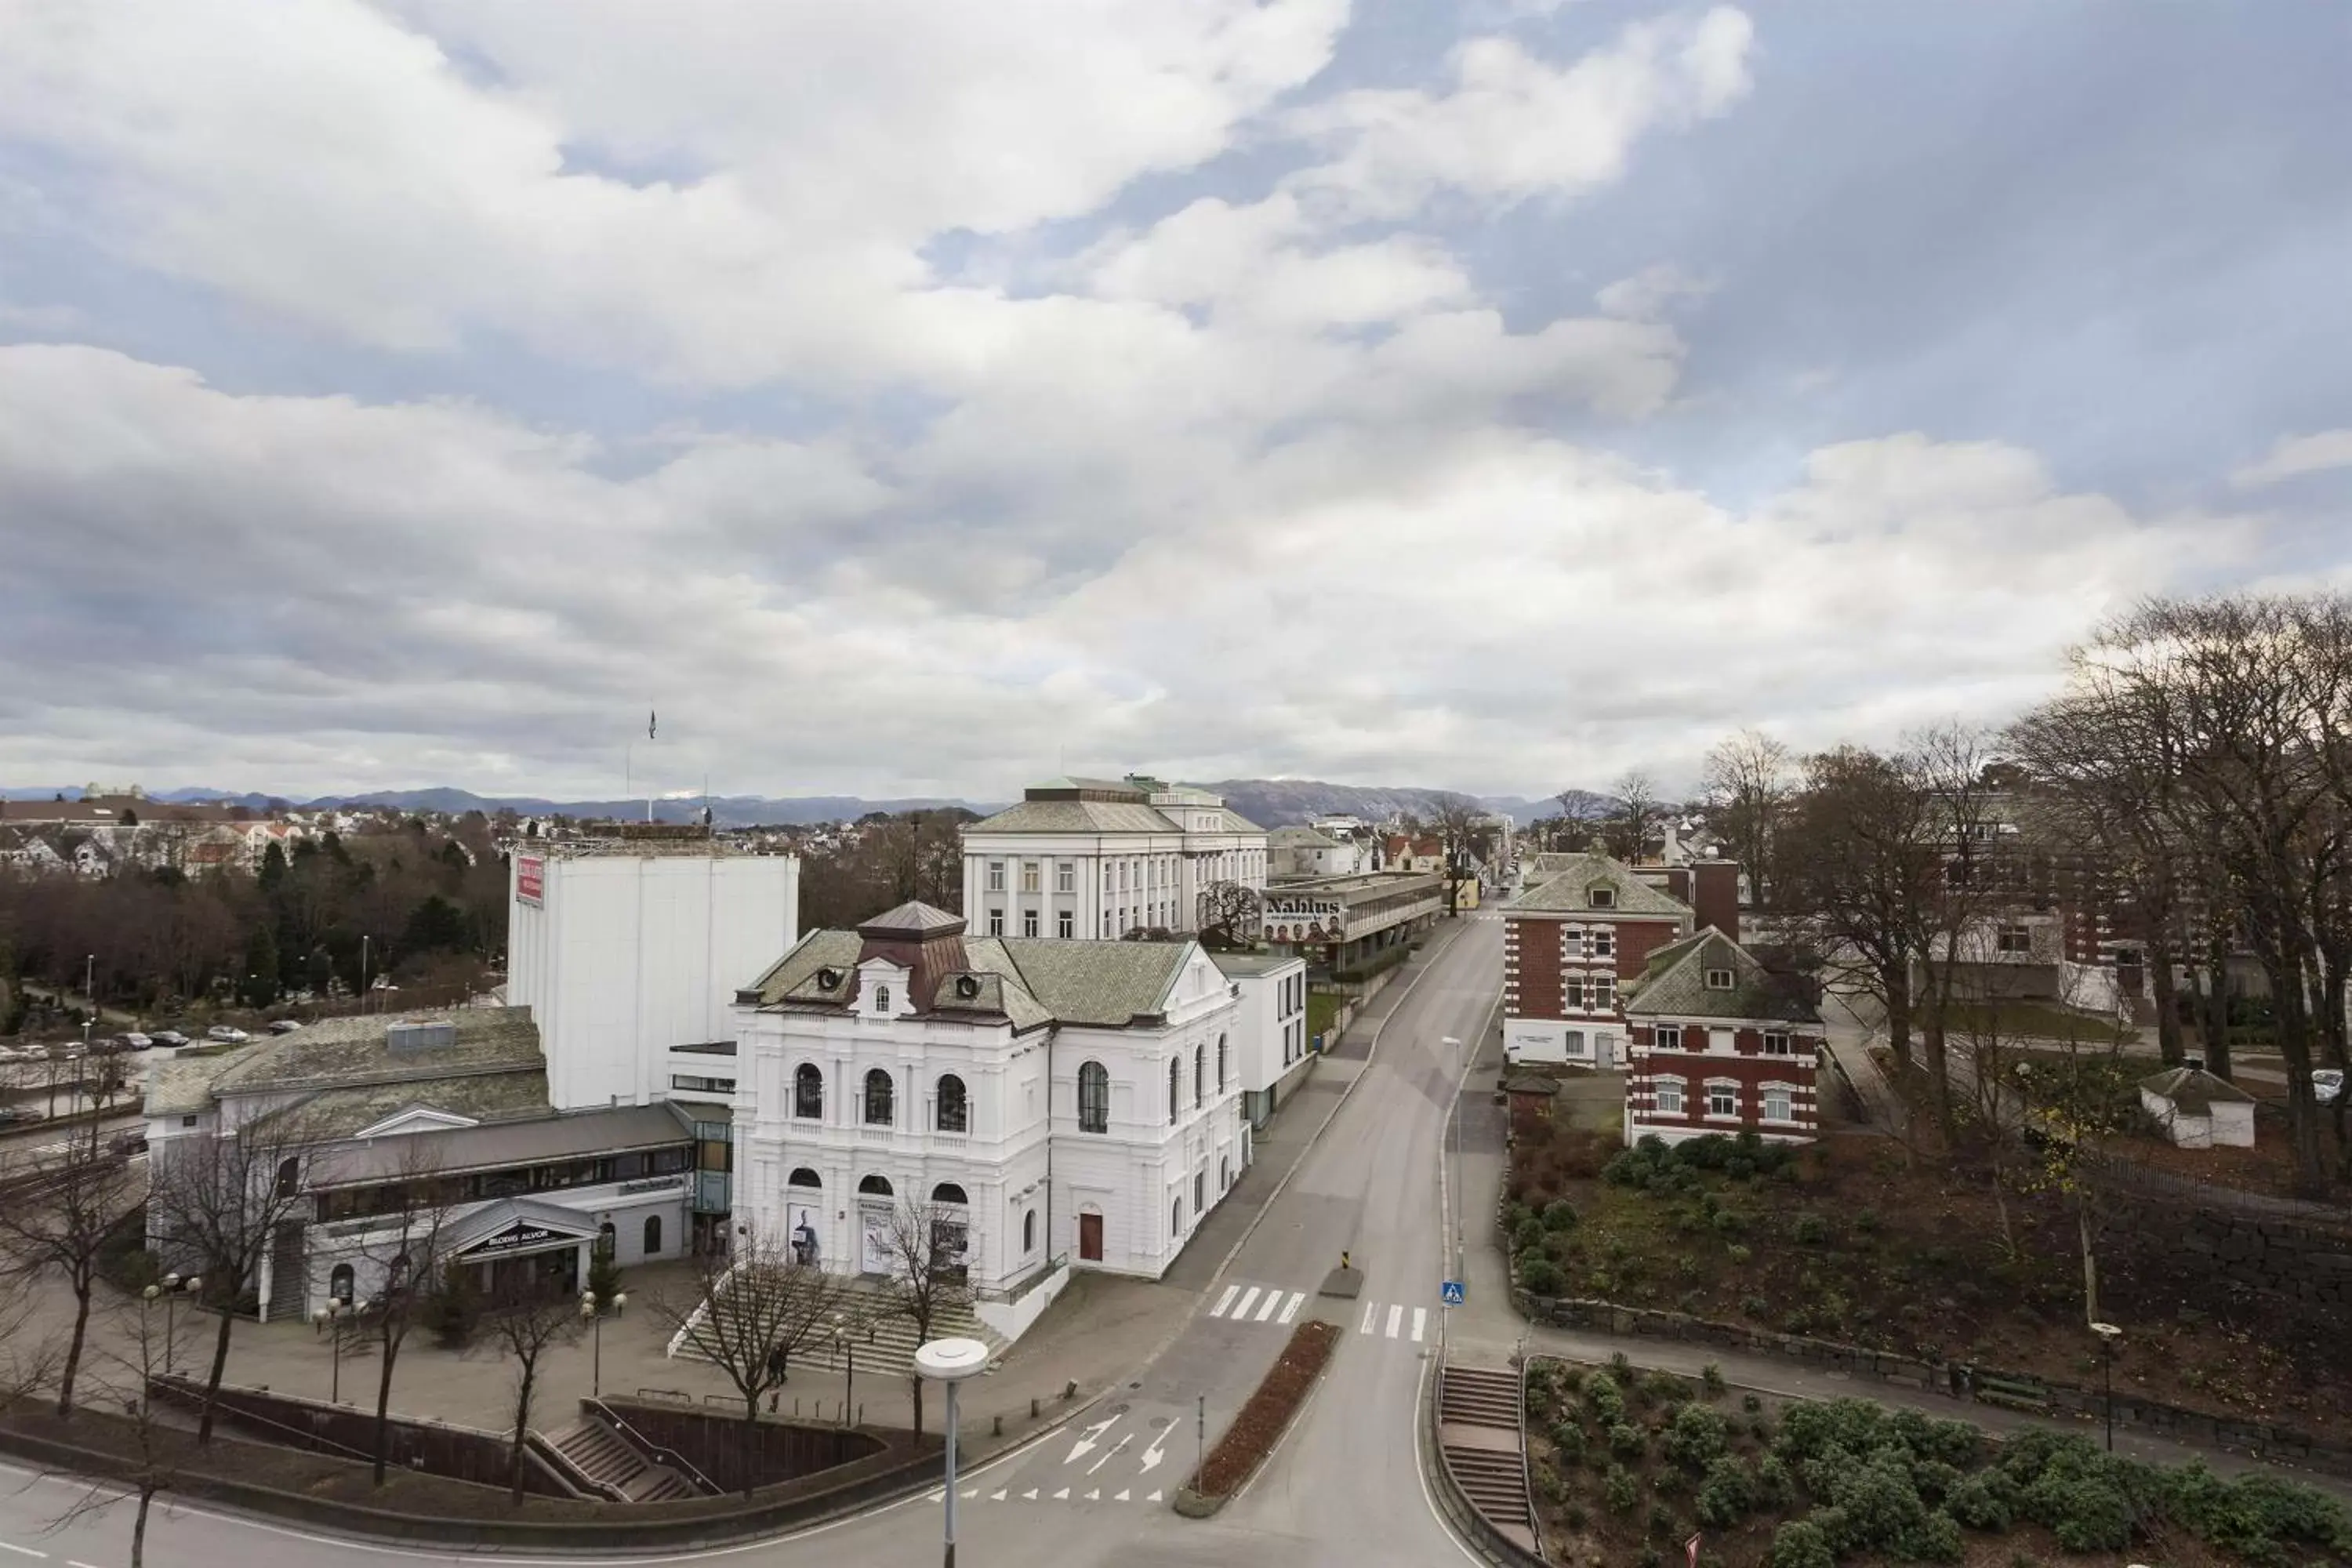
pixel 1090 1237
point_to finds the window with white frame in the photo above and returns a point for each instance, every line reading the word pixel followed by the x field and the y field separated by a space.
pixel 1572 991
pixel 1028 923
pixel 1600 993
pixel 1670 1096
pixel 1065 924
pixel 1601 897
pixel 1667 1038
pixel 1603 943
pixel 1066 876
pixel 2014 939
pixel 1776 1043
pixel 996 875
pixel 1572 1042
pixel 1028 876
pixel 1777 1103
pixel 1571 943
pixel 996 922
pixel 1719 980
pixel 1722 1097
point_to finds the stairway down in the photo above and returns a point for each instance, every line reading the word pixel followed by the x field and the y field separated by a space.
pixel 1480 1398
pixel 877 1340
pixel 1483 1449
pixel 605 1456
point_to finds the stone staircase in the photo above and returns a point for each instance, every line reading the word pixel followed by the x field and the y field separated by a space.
pixel 604 1456
pixel 1478 1436
pixel 881 1343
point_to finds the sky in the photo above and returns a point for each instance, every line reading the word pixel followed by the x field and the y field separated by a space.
pixel 926 399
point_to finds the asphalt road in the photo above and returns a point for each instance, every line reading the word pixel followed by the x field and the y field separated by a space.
pixel 1346 1487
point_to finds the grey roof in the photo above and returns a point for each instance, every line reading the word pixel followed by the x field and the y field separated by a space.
pixel 913 918
pixel 994 994
pixel 582 1134
pixel 2195 1091
pixel 1245 964
pixel 183 1085
pixel 1568 889
pixel 341 1051
pixel 478 1097
pixel 1075 816
pixel 1232 821
pixel 1299 839
pixel 1098 982
pixel 1674 985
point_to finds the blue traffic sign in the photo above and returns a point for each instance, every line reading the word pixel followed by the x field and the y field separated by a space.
pixel 1451 1292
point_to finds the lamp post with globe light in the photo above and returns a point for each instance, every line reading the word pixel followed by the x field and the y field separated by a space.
pixel 596 1320
pixel 949 1362
pixel 169 1287
pixel 330 1318
pixel 2108 1334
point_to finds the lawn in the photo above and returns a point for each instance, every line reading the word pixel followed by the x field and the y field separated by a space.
pixel 1858 1240
pixel 1628 1467
pixel 1322 1006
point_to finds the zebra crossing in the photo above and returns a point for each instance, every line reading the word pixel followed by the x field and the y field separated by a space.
pixel 1272 1305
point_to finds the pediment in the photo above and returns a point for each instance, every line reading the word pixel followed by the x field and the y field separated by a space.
pixel 416 1119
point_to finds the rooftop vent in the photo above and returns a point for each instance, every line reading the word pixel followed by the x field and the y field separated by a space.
pixel 967 986
pixel 828 979
pixel 409 1040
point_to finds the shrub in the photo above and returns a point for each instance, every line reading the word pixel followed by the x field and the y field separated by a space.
pixel 1661 1519
pixel 1866 1222
pixel 1620 1490
pixel 1604 1400
pixel 1696 1436
pixel 1527 1235
pixel 1626 1440
pixel 1621 1365
pixel 1567 1439
pixel 1810 1230
pixel 1710 1380
pixel 1985 1500
pixel 1726 1493
pixel 1801 1543
pixel 1775 1487
pixel 1750 1403
pixel 1933 1538
pixel 1660 1388
pixel 1560 1214
pixel 1730 1222
pixel 2254 1516
pixel 1540 1275
pixel 1754 1307
pixel 1650 1557
pixel 1739 1252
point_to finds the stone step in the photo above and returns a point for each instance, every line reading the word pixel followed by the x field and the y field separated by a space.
pixel 882 1343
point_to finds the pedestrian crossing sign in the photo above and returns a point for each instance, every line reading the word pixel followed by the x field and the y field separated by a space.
pixel 1451 1292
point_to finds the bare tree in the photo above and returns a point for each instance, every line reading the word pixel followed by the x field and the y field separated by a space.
pixel 134 1354
pixel 28 1359
pixel 1749 779
pixel 747 1314
pixel 218 1200
pixel 1460 827
pixel 1638 811
pixel 926 1244
pixel 402 1250
pixel 1949 768
pixel 1229 916
pixel 522 1321
pixel 55 1222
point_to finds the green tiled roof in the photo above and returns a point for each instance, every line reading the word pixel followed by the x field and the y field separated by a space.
pixel 1674 985
pixel 793 976
pixel 1075 816
pixel 478 1097
pixel 1567 890
pixel 1098 982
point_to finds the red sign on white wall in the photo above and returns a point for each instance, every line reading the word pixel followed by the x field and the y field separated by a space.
pixel 531 878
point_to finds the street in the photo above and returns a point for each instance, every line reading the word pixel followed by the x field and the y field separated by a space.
pixel 1346 1486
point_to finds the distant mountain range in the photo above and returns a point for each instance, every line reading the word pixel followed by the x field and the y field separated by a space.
pixel 1269 802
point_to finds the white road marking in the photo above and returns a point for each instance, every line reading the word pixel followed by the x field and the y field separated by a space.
pixel 1369 1307
pixel 1156 1496
pixel 1061 1496
pixel 998 1495
pixel 933 1496
pixel 1419 1322
pixel 1243 1310
pixel 1095 1496
pixel 71 1563
pixel 1290 1307
pixel 1153 1455
pixel 1123 1496
pixel 1272 1299
pixel 1396 1316
pixel 1088 1439
pixel 1029 1496
pixel 972 1493
pixel 1107 1458
pixel 20 1550
pixel 1225 1300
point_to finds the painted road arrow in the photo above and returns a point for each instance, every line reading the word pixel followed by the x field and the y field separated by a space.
pixel 1152 1456
pixel 1107 1458
pixel 1087 1439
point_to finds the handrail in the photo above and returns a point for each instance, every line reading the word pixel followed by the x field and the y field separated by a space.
pixel 549 1453
pixel 653 1451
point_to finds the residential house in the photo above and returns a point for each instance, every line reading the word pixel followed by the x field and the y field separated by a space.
pixel 1720 1043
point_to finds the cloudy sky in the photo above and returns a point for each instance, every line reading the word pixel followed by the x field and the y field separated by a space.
pixel 925 398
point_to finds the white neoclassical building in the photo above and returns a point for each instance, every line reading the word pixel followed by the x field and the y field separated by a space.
pixel 1101 858
pixel 1074 1104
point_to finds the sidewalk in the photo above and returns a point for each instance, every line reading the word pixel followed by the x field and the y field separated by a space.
pixel 1487 1330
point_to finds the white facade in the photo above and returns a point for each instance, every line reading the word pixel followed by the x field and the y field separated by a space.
pixel 627 960
pixel 1094 859
pixel 1270 1040
pixel 848 1106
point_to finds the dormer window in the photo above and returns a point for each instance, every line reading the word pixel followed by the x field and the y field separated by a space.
pixel 1601 897
pixel 1719 980
pixel 881 998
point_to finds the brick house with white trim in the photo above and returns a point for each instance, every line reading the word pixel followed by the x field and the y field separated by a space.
pixel 1720 1044
pixel 1570 943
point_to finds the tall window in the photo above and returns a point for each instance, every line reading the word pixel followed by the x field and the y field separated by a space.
pixel 1200 1191
pixel 1094 1097
pixel 881 998
pixel 1175 1087
pixel 955 1110
pixel 996 922
pixel 1600 993
pixel 1065 924
pixel 1776 1043
pixel 1572 991
pixel 808 1092
pixel 1670 1097
pixel 1776 1102
pixel 1029 1233
pixel 1722 1098
pixel 996 875
pixel 1176 1217
pixel 1571 944
pixel 1200 1078
pixel 1066 876
pixel 653 1236
pixel 878 1094
pixel 1221 1062
pixel 1028 876
pixel 1028 923
pixel 1603 943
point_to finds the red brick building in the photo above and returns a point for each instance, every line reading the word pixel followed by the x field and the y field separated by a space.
pixel 1573 941
pixel 1720 1044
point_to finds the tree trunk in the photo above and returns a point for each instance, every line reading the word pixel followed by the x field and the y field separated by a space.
pixel 917 1381
pixel 2090 1263
pixel 139 1524
pixel 1898 1014
pixel 750 1436
pixel 73 1350
pixel 2216 1018
pixel 522 1424
pixel 1940 1081
pixel 384 1406
pixel 2167 1002
pixel 2289 1008
pixel 213 1378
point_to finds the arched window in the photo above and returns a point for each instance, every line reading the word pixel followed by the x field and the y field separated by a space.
pixel 875 1186
pixel 881 998
pixel 1221 1064
pixel 338 1283
pixel 1200 1076
pixel 1224 1174
pixel 878 1093
pixel 955 1110
pixel 1094 1097
pixel 604 1239
pixel 808 1092
pixel 803 1176
pixel 1176 1217
pixel 949 1193
pixel 290 1177
pixel 1175 1087
pixel 1029 1233
pixel 653 1236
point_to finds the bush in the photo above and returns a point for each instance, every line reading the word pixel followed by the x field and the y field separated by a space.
pixel 1559 1215
pixel 1710 1380
pixel 1568 1439
pixel 1810 1230
pixel 1541 1276
pixel 1620 1490
pixel 1661 1519
pixel 1660 1388
pixel 1934 1539
pixel 1604 1400
pixel 1627 1440
pixel 2254 1516
pixel 1726 1493
pixel 1775 1487
pixel 1730 1222
pixel 1985 1500
pixel 1801 1543
pixel 1527 1235
pixel 603 1277
pixel 1696 1437
pixel 1739 1252
pixel 1751 1403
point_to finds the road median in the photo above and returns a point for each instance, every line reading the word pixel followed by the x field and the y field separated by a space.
pixel 1258 1428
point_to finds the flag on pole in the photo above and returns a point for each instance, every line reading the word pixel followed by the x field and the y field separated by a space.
pixel 649 724
pixel 1690 1549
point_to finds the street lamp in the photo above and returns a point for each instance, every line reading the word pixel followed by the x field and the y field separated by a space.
pixel 169 1287
pixel 330 1317
pixel 950 1362
pixel 589 1314
pixel 2108 1334
pixel 849 1348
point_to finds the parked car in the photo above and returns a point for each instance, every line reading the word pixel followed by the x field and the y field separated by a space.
pixel 10 1054
pixel 73 1049
pixel 2327 1085
pixel 17 1116
pixel 135 1041
pixel 172 1037
pixel 285 1026
pixel 128 1142
pixel 229 1033
pixel 36 1052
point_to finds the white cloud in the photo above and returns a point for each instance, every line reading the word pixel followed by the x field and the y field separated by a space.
pixel 2293 456
pixel 1651 292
